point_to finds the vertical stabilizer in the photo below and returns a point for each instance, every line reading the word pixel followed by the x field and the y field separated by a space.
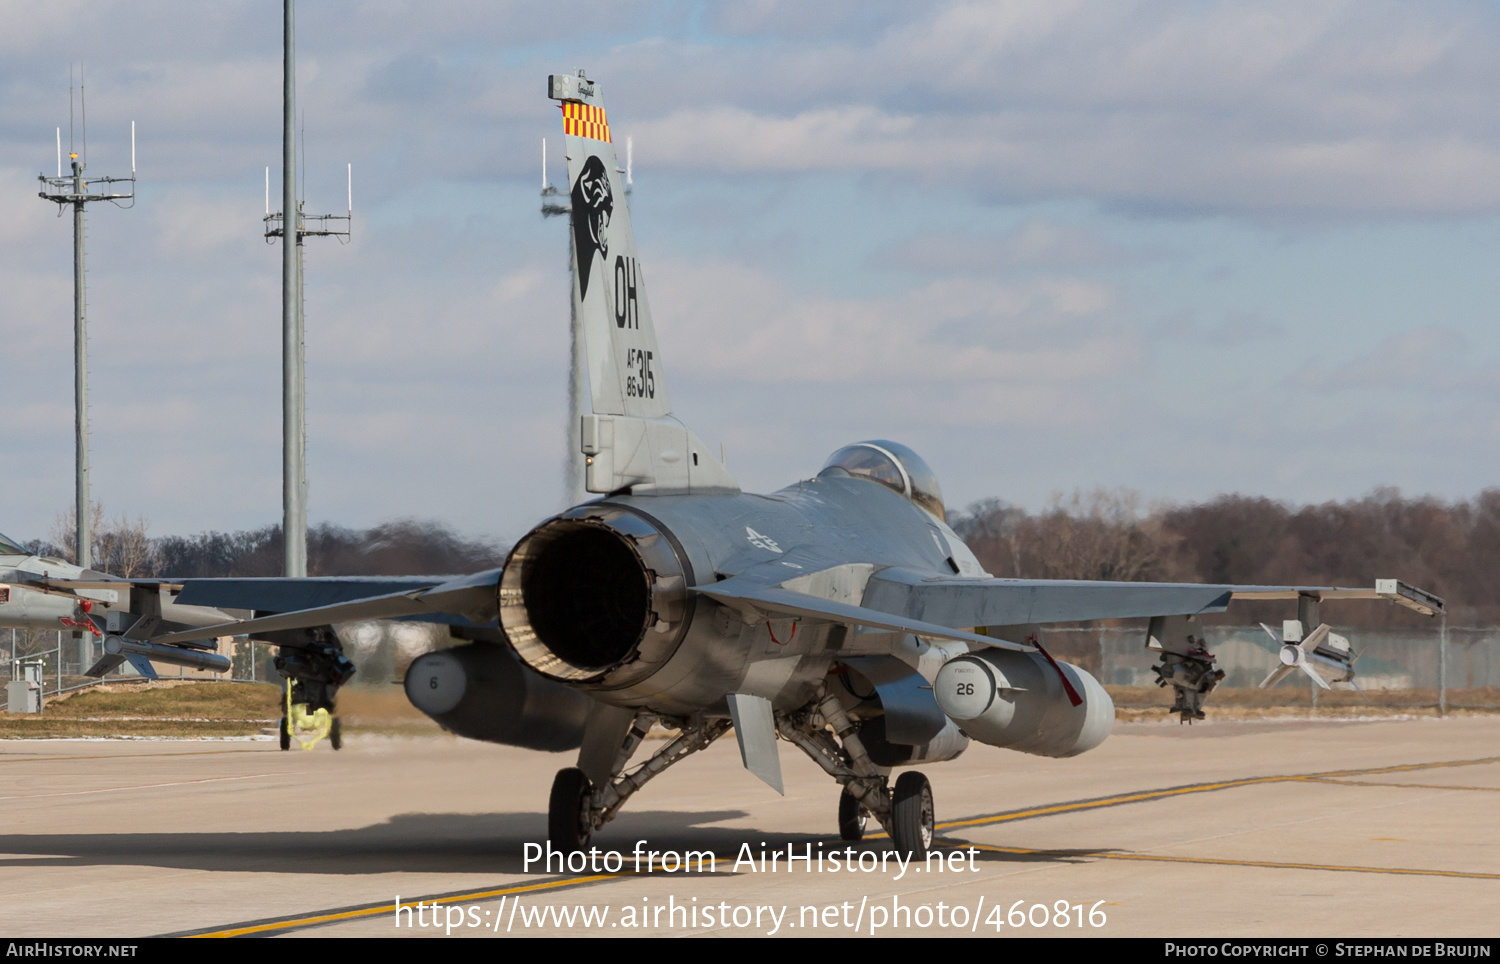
pixel 631 439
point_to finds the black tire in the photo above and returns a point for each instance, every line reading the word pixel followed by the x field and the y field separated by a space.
pixel 566 827
pixel 336 734
pixel 912 820
pixel 852 817
pixel 286 734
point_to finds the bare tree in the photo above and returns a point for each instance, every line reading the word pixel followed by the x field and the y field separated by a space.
pixel 1099 535
pixel 119 547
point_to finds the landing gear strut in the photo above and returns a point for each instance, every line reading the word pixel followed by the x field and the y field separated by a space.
pixel 906 812
pixel 577 808
pixel 314 666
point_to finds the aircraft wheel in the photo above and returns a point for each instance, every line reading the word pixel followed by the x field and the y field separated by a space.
pixel 912 821
pixel 852 817
pixel 566 826
pixel 336 734
pixel 286 734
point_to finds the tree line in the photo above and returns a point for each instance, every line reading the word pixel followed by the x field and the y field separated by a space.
pixel 405 547
pixel 1448 548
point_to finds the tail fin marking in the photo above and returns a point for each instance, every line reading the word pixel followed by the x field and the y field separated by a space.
pixel 632 440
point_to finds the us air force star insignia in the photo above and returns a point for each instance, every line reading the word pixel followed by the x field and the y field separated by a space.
pixel 761 542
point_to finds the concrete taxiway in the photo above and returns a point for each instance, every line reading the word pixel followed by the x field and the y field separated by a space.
pixel 1226 829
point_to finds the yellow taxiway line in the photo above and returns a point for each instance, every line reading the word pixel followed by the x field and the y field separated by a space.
pixel 1272 864
pixel 370 910
pixel 1148 795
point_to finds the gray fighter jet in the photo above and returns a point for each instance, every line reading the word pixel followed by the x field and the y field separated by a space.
pixel 841 614
pixel 125 615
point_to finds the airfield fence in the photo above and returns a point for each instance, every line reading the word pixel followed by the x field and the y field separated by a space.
pixel 62 669
pixel 1442 669
pixel 1438 669
pixel 381 651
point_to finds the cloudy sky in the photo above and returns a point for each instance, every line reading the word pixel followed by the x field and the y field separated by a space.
pixel 1187 248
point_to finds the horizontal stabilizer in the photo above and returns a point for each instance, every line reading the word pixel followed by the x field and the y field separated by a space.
pixel 475 597
pixel 280 594
pixel 776 601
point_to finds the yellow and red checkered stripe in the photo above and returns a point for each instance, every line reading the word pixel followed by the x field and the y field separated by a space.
pixel 581 120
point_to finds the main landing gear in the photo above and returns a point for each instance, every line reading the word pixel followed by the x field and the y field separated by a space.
pixel 314 669
pixel 913 824
pixel 853 818
pixel 911 812
pixel 577 806
pixel 906 812
pixel 570 810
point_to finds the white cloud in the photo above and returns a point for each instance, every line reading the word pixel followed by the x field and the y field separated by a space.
pixel 956 349
pixel 1036 244
pixel 1332 106
pixel 436 348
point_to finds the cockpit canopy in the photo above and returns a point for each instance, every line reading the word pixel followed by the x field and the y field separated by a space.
pixel 894 466
pixel 10 547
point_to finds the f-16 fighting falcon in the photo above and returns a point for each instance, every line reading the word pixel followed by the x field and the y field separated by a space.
pixel 841 614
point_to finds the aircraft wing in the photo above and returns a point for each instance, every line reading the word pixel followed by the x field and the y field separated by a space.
pixel 959 601
pixel 311 601
pixel 947 607
pixel 474 598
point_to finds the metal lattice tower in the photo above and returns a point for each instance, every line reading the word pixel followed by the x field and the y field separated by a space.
pixel 76 191
pixel 293 346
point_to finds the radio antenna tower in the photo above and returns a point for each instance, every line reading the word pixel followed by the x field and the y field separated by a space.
pixel 76 191
pixel 554 205
pixel 293 347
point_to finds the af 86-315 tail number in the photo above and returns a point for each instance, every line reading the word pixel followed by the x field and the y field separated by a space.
pixel 641 382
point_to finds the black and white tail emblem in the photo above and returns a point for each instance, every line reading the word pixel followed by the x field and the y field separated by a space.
pixel 593 204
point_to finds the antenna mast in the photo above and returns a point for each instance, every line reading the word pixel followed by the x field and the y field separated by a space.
pixel 293 347
pixel 76 192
